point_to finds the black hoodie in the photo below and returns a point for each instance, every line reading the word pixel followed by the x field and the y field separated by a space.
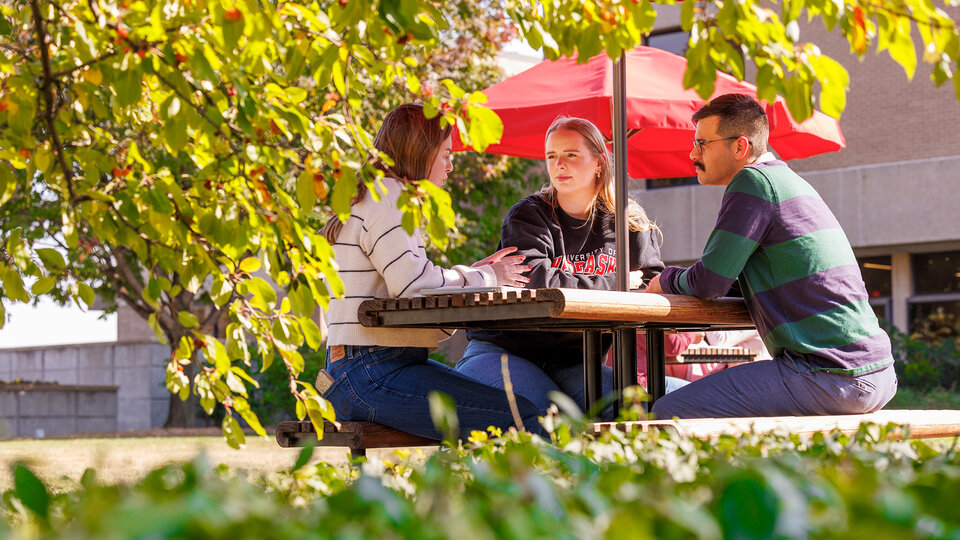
pixel 569 253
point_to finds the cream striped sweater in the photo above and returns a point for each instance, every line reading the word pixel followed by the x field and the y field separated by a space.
pixel 378 259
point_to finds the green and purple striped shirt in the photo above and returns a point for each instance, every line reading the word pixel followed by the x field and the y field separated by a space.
pixel 797 271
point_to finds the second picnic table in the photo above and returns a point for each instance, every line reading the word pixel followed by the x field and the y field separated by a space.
pixel 589 311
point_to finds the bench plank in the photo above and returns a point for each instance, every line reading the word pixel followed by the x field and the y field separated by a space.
pixel 357 436
pixel 923 424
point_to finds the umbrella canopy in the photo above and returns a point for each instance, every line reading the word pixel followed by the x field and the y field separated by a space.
pixel 658 111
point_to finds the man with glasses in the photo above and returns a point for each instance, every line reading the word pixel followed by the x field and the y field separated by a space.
pixel 799 277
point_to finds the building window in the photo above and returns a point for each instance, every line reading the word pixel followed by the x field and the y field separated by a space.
pixel 671 39
pixel 877 277
pixel 935 305
pixel 658 183
pixel 937 273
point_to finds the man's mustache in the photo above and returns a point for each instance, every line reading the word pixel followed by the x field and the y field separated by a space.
pixel 699 165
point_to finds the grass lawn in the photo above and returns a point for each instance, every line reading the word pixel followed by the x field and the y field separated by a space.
pixel 61 462
pixel 938 398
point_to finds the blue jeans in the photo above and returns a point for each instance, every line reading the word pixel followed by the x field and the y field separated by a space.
pixel 390 386
pixel 481 361
pixel 784 386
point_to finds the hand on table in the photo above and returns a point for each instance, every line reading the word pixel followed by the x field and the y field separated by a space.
pixel 636 279
pixel 508 269
pixel 654 285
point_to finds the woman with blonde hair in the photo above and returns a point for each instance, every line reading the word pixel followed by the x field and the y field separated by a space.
pixel 567 233
pixel 382 374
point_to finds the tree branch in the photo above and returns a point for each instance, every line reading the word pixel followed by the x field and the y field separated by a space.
pixel 85 64
pixel 47 91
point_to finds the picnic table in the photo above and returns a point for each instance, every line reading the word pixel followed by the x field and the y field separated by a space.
pixel 589 311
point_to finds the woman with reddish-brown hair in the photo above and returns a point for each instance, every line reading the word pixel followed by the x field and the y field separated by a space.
pixel 382 374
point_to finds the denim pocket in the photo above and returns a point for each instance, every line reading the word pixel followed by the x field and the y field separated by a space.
pixel 346 403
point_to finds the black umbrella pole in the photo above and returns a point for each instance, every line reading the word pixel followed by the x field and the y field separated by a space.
pixel 621 186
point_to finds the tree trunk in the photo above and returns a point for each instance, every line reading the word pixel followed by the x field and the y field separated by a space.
pixel 183 414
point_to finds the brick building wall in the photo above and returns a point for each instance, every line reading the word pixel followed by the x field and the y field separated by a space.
pixel 888 118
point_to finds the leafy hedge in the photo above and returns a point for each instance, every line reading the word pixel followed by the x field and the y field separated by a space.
pixel 926 364
pixel 656 485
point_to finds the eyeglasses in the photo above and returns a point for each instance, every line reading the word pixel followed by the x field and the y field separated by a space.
pixel 700 143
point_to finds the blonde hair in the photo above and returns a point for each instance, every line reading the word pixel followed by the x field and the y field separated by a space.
pixel 604 196
pixel 411 140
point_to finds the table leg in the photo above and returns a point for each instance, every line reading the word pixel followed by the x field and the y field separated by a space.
pixel 624 362
pixel 592 361
pixel 656 369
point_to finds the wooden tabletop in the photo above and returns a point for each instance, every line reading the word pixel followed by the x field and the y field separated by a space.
pixel 557 309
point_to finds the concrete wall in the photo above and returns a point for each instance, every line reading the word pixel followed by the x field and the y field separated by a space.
pixel 136 369
pixel 37 410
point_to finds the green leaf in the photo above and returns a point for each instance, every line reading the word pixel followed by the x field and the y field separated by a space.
pixel 306 197
pixel 266 355
pixel 686 16
pixel 239 372
pixel 294 360
pixel 187 319
pixel 44 285
pixel 220 358
pixel 304 457
pixel 250 265
pixel 233 433
pixel 319 409
pixel 301 299
pixel 296 94
pixel 8 183
pixel 834 82
pixel 311 332
pixel 798 98
pixel 485 127
pixel 455 91
pixel 235 384
pixel 157 330
pixel 902 48
pixel 86 294
pixel 263 296
pixel 52 259
pixel 128 87
pixel 301 410
pixel 344 190
pixel 443 411
pixel 31 491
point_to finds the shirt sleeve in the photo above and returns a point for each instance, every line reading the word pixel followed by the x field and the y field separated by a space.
pixel 645 253
pixel 400 257
pixel 529 230
pixel 746 214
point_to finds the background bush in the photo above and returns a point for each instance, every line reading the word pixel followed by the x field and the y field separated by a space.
pixel 926 364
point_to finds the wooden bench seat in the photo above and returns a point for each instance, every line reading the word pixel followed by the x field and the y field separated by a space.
pixel 357 436
pixel 923 424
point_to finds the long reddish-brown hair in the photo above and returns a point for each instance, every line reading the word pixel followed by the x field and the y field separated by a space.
pixel 411 140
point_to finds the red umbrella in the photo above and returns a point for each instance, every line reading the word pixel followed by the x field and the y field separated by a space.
pixel 658 111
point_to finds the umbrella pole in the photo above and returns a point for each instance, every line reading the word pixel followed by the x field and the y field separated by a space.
pixel 621 189
pixel 625 339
